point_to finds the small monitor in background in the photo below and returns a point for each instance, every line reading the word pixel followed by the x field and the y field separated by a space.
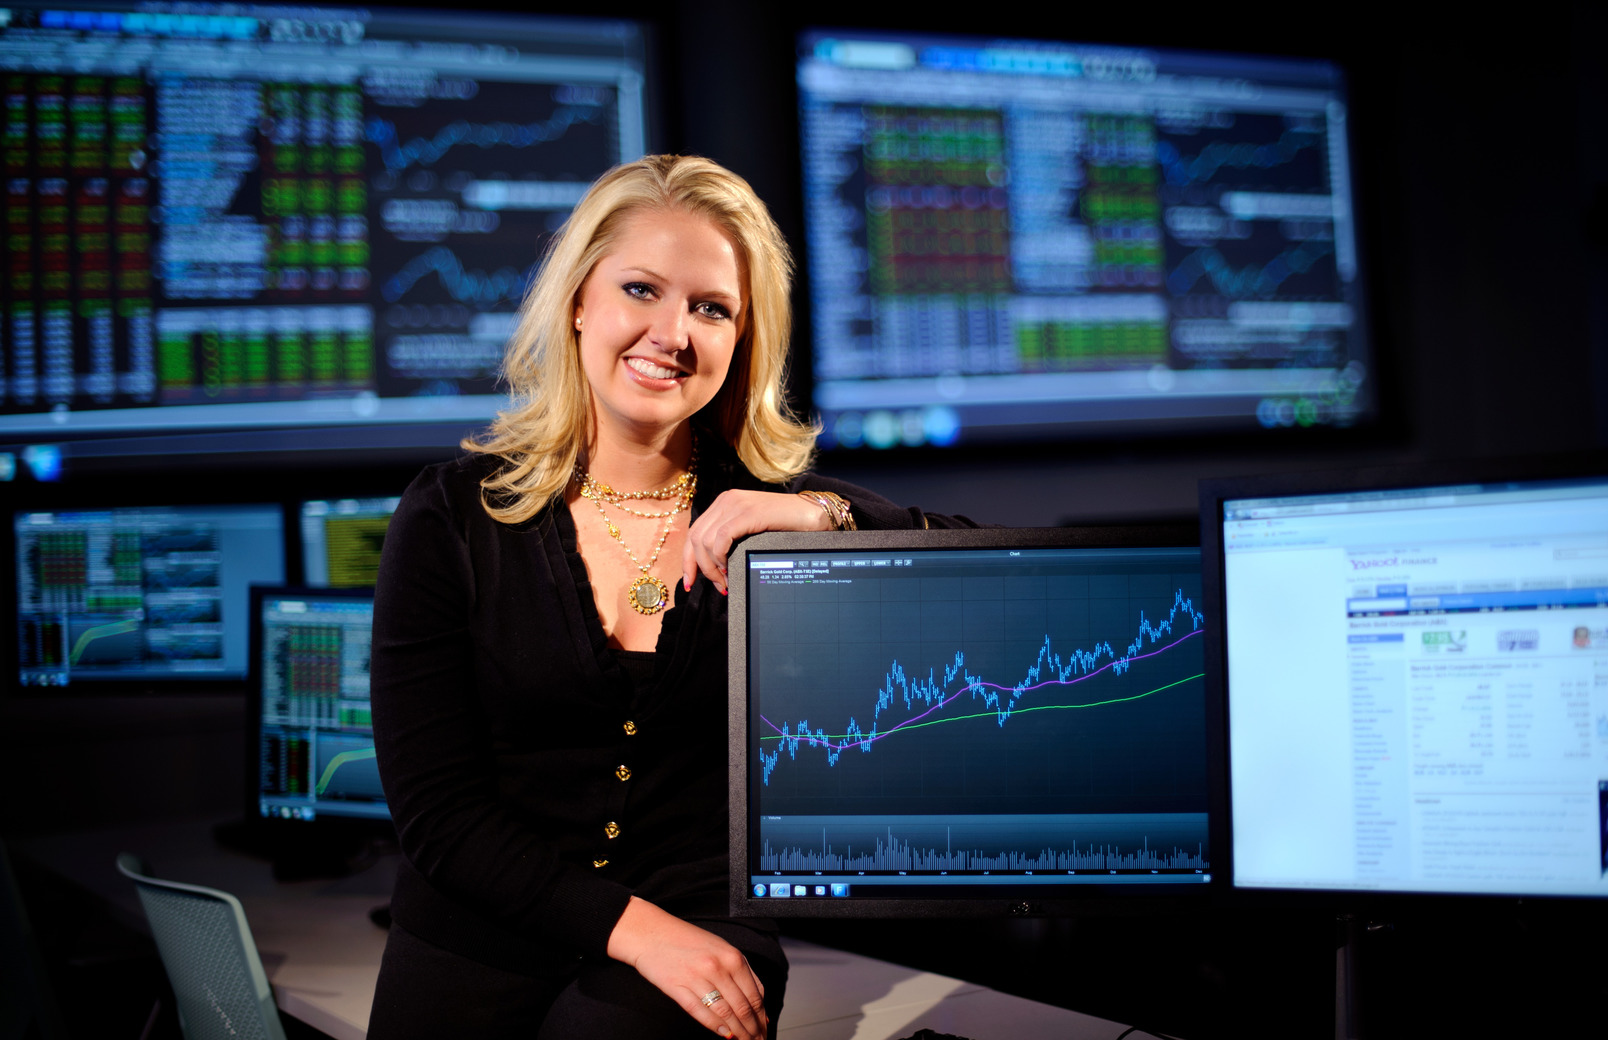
pixel 140 595
pixel 309 706
pixel 341 540
pixel 1415 666
pixel 968 722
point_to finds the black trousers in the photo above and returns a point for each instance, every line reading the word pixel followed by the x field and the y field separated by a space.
pixel 426 993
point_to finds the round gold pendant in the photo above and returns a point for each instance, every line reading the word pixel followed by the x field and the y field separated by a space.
pixel 649 595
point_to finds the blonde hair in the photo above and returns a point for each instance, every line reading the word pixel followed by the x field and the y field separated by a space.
pixel 541 435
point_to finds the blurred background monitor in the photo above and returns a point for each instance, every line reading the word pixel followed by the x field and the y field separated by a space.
pixel 236 229
pixel 309 708
pixel 341 540
pixel 1415 666
pixel 142 596
pixel 970 723
pixel 1019 241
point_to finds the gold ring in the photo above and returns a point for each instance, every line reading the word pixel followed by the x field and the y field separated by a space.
pixel 710 998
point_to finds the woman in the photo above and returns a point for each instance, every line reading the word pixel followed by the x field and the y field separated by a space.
pixel 549 670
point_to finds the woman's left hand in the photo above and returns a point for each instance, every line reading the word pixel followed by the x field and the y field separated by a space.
pixel 738 514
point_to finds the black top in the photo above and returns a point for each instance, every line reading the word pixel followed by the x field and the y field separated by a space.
pixel 536 783
pixel 640 666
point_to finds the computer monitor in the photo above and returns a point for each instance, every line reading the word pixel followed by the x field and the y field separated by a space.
pixel 1415 670
pixel 312 729
pixel 139 597
pixel 266 227
pixel 971 723
pixel 1012 240
pixel 341 540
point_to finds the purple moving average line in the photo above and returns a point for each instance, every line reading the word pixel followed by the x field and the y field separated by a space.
pixel 957 693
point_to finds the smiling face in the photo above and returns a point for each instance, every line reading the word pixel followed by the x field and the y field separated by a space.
pixel 659 318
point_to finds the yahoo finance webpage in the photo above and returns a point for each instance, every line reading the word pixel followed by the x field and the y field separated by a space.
pixel 1418 689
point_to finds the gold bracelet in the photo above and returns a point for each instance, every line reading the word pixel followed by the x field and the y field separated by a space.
pixel 836 508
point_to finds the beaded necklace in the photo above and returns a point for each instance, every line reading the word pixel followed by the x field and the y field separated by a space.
pixel 647 594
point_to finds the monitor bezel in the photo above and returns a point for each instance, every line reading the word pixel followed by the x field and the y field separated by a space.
pixel 1088 899
pixel 1213 493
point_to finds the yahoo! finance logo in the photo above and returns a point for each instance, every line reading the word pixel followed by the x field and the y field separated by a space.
pixel 1373 563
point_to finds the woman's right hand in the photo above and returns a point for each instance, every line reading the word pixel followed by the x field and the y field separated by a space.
pixel 687 963
pixel 737 514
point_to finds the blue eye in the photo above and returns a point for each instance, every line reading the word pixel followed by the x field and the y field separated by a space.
pixel 712 310
pixel 639 290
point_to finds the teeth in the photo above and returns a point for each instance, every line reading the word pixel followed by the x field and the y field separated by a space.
pixel 651 370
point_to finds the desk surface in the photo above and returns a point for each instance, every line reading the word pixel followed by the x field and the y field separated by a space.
pixel 322 953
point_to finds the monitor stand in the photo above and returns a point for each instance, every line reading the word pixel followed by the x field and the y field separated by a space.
pixel 1345 977
pixel 1349 932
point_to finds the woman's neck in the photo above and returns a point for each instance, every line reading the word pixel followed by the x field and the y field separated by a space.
pixel 632 465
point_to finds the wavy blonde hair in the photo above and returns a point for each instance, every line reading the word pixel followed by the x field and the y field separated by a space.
pixel 541 435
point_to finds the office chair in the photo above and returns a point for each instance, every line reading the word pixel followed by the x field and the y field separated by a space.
pixel 210 957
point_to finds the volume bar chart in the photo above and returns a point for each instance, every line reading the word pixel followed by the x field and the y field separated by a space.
pixel 1158 841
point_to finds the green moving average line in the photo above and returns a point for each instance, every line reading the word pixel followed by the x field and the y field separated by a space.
pixel 983 714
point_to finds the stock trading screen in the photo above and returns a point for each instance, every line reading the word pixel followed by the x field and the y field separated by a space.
pixel 316 750
pixel 342 539
pixel 1011 240
pixel 271 216
pixel 140 594
pixel 927 723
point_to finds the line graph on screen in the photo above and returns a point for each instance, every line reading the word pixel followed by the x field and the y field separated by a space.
pixel 920 719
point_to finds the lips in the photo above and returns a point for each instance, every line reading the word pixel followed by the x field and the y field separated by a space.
pixel 644 367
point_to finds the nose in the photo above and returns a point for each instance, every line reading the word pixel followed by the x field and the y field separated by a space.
pixel 671 327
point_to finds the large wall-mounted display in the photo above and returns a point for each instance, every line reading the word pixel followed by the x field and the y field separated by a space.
pixel 1012 241
pixel 263 218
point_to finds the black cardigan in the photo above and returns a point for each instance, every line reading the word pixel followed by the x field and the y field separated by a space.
pixel 511 743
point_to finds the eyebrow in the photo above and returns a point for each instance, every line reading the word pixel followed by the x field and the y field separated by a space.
pixel 719 294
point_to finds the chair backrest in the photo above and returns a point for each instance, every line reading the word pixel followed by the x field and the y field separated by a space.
pixel 210 957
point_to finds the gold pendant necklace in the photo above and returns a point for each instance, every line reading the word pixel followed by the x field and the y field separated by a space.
pixel 647 594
